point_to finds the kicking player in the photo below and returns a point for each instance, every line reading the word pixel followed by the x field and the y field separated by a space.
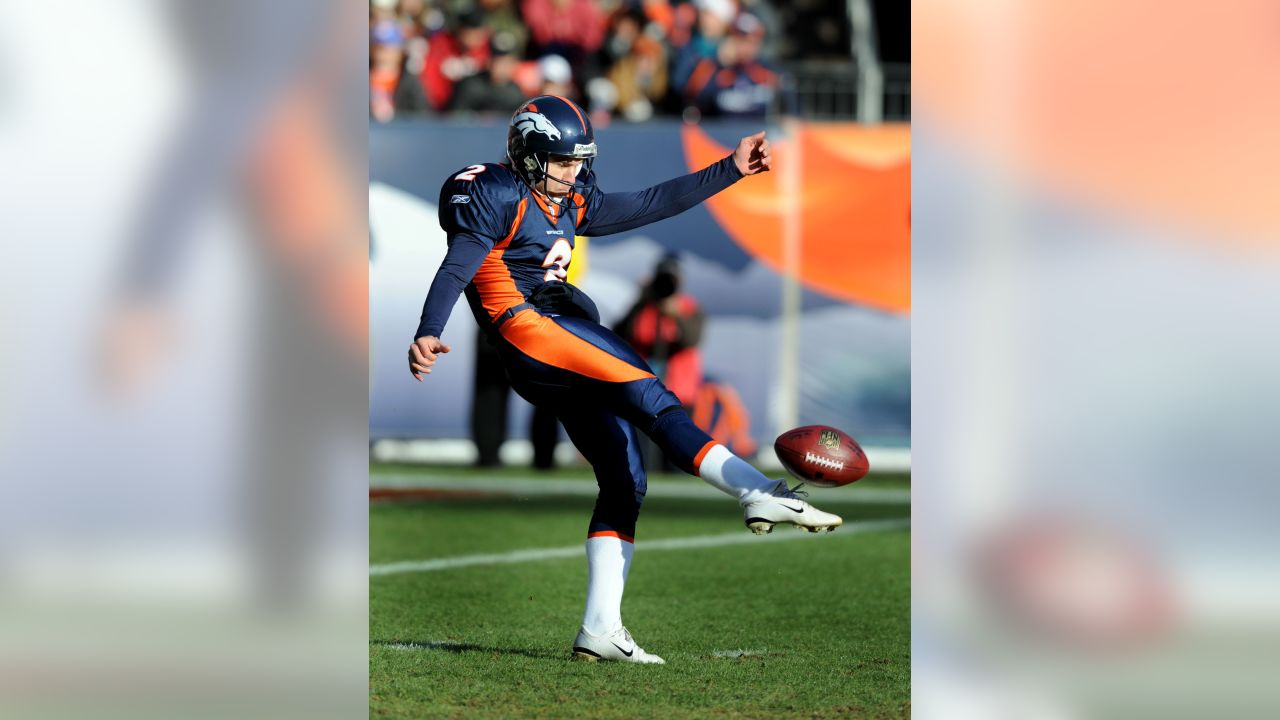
pixel 510 231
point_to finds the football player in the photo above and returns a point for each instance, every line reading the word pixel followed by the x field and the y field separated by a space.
pixel 511 229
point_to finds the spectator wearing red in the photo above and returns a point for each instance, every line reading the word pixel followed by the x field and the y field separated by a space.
pixel 453 56
pixel 573 29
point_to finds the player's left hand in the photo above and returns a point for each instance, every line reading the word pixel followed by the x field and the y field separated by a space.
pixel 423 354
pixel 752 155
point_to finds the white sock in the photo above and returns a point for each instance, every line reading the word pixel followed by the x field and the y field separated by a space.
pixel 734 476
pixel 608 563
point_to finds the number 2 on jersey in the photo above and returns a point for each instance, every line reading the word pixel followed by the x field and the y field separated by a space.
pixel 558 261
pixel 470 173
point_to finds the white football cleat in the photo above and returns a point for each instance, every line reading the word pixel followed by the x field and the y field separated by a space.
pixel 615 646
pixel 784 505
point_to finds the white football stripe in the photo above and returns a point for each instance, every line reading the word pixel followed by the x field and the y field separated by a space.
pixel 781 534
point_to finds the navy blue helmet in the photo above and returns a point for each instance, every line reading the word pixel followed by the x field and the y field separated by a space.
pixel 551 125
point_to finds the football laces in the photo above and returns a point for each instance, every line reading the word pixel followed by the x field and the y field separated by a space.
pixel 824 462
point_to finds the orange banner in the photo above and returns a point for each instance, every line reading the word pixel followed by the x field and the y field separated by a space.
pixel 853 209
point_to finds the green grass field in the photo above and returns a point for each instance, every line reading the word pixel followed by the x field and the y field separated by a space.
pixel 788 625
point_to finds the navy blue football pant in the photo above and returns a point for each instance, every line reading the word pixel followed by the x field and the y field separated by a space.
pixel 602 391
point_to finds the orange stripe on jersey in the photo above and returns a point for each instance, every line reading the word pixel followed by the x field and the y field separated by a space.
pixel 524 205
pixel 493 281
pixel 575 111
pixel 697 459
pixel 542 339
pixel 610 533
pixel 581 202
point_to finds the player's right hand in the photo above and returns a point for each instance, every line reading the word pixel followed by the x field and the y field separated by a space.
pixel 423 353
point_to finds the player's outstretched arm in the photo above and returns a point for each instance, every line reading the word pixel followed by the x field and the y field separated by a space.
pixel 423 353
pixel 617 212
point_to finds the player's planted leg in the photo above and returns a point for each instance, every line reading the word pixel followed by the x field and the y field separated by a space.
pixel 609 444
pixel 602 636
pixel 608 564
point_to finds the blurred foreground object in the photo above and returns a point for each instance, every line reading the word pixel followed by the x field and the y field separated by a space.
pixel 1093 389
pixel 184 529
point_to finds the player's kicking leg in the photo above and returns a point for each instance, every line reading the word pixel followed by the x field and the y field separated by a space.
pixel 765 502
pixel 609 444
pixel 590 360
pixel 609 373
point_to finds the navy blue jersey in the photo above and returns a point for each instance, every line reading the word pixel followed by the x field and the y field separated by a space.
pixel 505 240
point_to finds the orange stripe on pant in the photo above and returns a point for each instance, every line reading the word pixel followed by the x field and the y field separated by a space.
pixel 697 459
pixel 542 339
pixel 610 533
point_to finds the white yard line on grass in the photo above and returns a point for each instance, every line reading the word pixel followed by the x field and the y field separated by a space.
pixel 541 487
pixel 781 534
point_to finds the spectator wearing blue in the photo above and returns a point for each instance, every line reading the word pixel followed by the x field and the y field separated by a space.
pixel 392 86
pixel 696 60
pixel 736 83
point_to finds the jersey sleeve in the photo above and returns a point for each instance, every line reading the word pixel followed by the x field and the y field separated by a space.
pixel 466 252
pixel 476 212
pixel 608 213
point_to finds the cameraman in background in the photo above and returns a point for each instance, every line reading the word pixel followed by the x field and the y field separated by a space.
pixel 665 327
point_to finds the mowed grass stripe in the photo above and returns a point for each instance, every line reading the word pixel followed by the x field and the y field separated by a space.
pixel 572 551
pixel 543 486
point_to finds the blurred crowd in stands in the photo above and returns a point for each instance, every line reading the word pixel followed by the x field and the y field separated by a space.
pixel 621 59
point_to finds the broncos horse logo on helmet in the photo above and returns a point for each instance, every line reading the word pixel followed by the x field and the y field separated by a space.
pixel 527 122
pixel 551 125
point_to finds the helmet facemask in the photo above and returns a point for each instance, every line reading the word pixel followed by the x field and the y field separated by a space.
pixel 583 186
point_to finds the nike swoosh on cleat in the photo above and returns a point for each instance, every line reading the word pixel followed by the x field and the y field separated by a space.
pixel 794 510
pixel 624 652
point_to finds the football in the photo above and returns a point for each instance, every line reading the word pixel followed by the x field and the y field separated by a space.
pixel 821 455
